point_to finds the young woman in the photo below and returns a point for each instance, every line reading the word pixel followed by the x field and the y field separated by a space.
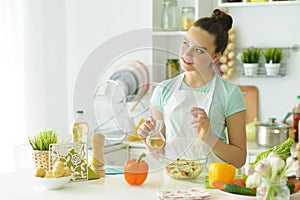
pixel 203 114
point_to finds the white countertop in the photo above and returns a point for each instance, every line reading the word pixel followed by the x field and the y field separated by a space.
pixel 22 185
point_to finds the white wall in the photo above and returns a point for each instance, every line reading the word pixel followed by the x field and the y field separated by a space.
pixel 45 66
pixel 266 27
pixel 62 34
pixel 91 23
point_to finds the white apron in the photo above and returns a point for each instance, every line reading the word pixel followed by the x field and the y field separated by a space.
pixel 182 140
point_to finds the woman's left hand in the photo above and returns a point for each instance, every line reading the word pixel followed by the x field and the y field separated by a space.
pixel 201 122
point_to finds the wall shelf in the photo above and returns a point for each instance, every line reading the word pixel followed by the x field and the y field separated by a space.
pixel 245 3
pixel 168 33
pixel 261 71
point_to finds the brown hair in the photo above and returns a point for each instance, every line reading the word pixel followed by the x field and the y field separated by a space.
pixel 218 24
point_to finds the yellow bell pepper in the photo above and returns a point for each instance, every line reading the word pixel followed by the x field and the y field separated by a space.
pixel 221 172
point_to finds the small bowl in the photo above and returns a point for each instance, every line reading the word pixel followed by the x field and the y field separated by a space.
pixel 183 169
pixel 53 183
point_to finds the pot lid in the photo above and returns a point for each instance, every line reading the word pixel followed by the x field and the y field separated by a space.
pixel 273 124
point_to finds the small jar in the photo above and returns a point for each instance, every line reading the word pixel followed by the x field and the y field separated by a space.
pixel 170 16
pixel 172 68
pixel 187 17
pixel 273 191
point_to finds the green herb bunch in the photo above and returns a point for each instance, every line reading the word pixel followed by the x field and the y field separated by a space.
pixel 273 55
pixel 43 139
pixel 251 55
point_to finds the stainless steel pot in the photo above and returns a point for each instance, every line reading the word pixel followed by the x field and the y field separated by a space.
pixel 271 133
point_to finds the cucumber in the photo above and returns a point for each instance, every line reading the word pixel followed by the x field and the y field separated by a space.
pixel 291 187
pixel 237 189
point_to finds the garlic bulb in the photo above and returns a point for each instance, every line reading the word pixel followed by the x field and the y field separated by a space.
pixel 227 60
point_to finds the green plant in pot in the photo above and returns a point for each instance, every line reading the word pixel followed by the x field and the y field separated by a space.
pixel 40 144
pixel 250 59
pixel 273 58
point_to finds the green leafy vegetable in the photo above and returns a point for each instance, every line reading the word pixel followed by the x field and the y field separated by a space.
pixel 283 150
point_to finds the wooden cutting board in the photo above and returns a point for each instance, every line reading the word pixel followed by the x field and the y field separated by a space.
pixel 250 94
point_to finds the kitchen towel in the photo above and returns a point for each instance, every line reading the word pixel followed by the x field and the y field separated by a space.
pixel 194 193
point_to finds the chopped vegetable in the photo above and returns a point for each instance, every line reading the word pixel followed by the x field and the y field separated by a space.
pixel 184 169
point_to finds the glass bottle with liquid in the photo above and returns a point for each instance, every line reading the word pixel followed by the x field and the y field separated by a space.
pixel 80 127
pixel 296 114
pixel 155 139
pixel 187 18
pixel 172 68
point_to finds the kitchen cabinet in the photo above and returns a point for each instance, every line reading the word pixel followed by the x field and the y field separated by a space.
pixel 116 155
pixel 166 44
pixel 246 3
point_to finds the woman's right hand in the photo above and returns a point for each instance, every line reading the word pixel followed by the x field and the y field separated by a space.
pixel 146 127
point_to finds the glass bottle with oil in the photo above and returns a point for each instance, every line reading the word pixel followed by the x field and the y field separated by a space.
pixel 80 127
pixel 155 138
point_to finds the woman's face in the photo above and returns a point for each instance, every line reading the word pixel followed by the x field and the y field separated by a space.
pixel 197 50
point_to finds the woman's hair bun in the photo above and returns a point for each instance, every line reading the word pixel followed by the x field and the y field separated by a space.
pixel 224 19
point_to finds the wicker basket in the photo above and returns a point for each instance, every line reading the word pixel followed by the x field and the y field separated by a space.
pixel 41 159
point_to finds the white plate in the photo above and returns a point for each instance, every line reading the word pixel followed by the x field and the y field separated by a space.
pixel 238 196
pixel 245 197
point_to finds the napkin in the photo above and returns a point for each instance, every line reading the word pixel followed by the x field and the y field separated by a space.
pixel 194 193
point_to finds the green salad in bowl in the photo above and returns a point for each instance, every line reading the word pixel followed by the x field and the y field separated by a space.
pixel 182 168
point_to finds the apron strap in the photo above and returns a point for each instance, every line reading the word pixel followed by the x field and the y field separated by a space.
pixel 210 92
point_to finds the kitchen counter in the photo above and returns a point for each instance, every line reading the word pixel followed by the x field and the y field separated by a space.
pixel 22 185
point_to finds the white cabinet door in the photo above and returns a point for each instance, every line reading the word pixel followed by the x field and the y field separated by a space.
pixel 135 152
pixel 116 157
pixel 154 164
